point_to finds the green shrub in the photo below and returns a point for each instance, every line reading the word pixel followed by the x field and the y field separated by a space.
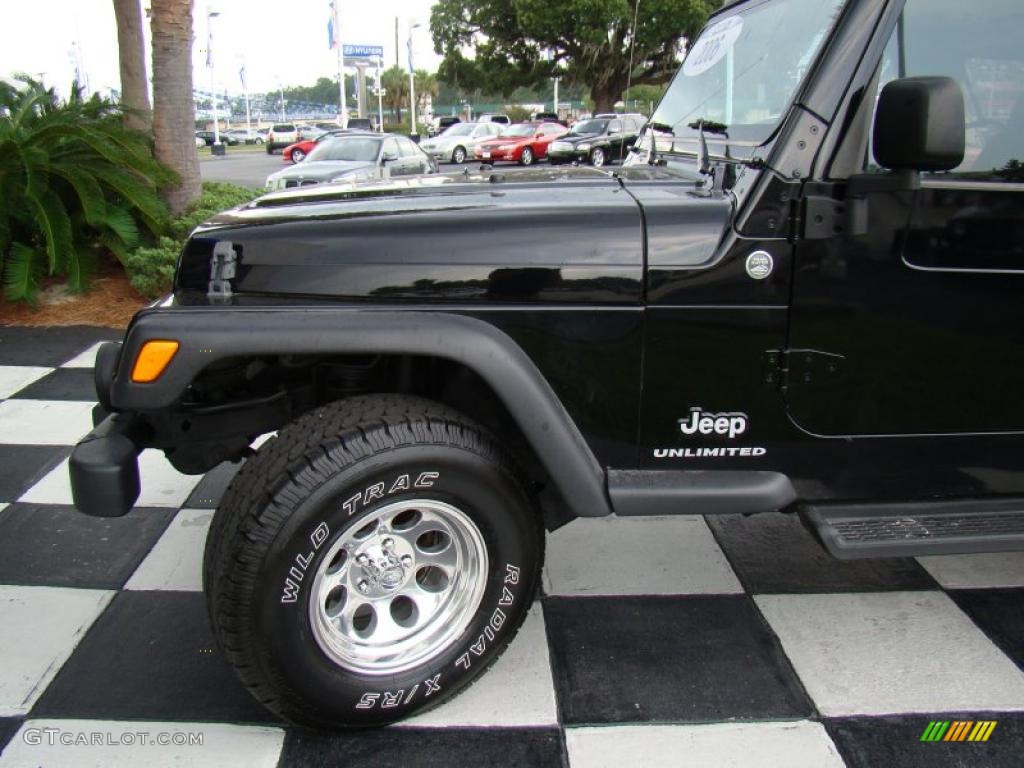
pixel 518 114
pixel 151 269
pixel 216 196
pixel 74 182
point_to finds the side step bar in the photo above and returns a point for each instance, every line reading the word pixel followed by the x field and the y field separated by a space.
pixel 852 531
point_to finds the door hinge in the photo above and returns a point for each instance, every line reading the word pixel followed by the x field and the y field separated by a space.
pixel 785 367
pixel 222 271
pixel 823 216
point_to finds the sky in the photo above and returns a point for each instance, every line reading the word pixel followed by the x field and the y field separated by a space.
pixel 282 42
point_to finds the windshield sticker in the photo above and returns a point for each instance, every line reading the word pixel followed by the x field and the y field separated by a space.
pixel 712 46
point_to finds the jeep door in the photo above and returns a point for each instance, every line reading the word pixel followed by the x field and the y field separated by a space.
pixel 915 327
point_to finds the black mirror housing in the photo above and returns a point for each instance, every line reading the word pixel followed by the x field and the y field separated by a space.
pixel 920 125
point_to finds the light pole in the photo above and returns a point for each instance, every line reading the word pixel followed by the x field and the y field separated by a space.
pixel 210 16
pixel 380 94
pixel 412 80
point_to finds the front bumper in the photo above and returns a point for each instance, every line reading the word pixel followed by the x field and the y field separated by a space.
pixel 490 154
pixel 104 466
pixel 568 155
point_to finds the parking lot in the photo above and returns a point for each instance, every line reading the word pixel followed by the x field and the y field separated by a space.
pixel 250 168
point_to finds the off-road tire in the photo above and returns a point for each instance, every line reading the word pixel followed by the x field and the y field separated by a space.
pixel 296 485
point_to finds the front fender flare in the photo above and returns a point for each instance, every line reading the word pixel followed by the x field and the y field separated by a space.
pixel 210 334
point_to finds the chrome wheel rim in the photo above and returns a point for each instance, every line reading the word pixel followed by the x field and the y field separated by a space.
pixel 297 156
pixel 398 587
pixel 460 155
pixel 598 158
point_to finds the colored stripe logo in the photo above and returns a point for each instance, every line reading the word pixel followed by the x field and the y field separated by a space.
pixel 959 730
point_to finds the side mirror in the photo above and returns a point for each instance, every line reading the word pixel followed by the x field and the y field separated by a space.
pixel 920 125
pixel 389 155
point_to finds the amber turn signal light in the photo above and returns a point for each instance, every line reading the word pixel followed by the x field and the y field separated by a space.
pixel 153 358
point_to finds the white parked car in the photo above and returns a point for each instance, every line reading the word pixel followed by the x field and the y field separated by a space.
pixel 457 143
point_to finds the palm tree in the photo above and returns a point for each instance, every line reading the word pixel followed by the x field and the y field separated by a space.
pixel 174 115
pixel 396 91
pixel 131 52
pixel 426 85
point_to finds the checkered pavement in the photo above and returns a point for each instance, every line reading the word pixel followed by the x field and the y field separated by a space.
pixel 725 641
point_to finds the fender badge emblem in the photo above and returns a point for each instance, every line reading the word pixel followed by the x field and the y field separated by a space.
pixel 760 264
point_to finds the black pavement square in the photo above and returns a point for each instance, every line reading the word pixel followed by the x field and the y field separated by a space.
pixel 61 384
pixel 1000 615
pixel 150 656
pixel 869 742
pixel 22 466
pixel 426 748
pixel 775 554
pixel 668 659
pixel 210 490
pixel 49 346
pixel 8 727
pixel 58 546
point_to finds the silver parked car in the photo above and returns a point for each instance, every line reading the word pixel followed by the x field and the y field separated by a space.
pixel 457 143
pixel 355 157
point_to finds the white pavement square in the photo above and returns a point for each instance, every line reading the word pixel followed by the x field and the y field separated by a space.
pixel 162 484
pixel 734 745
pixel 122 744
pixel 895 652
pixel 997 569
pixel 86 359
pixel 44 422
pixel 516 691
pixel 39 628
pixel 176 561
pixel 14 378
pixel 637 556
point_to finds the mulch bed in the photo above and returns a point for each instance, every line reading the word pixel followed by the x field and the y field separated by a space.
pixel 111 301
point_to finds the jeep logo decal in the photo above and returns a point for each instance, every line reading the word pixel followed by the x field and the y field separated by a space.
pixel 731 425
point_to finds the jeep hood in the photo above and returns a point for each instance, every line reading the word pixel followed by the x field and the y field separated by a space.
pixel 554 235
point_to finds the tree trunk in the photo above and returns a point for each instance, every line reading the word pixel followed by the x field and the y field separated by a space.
pixel 174 114
pixel 604 100
pixel 131 52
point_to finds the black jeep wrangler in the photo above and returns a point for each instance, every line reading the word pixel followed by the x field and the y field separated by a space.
pixel 801 293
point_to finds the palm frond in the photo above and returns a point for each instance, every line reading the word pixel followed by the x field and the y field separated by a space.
pixel 55 225
pixel 22 271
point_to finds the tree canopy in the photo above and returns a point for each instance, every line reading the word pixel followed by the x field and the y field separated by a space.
pixel 524 42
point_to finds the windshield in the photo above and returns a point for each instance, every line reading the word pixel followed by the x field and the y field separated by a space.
pixel 344 148
pixel 590 126
pixel 523 129
pixel 459 129
pixel 742 73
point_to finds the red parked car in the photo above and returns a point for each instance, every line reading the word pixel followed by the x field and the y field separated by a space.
pixel 296 153
pixel 523 143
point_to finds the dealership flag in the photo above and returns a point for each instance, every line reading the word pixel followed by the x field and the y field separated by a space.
pixel 332 29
